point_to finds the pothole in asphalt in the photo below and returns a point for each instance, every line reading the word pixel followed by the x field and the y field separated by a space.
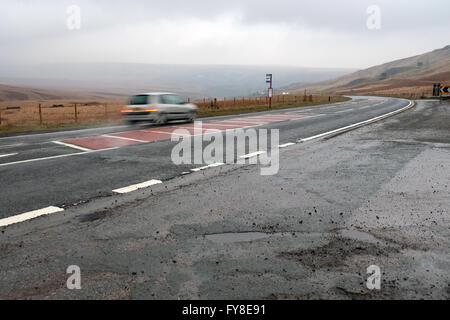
pixel 232 237
pixel 336 252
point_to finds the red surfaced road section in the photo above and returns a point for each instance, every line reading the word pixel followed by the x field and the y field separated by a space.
pixel 164 133
pixel 100 142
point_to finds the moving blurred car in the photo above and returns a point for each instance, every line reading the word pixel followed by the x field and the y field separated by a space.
pixel 158 107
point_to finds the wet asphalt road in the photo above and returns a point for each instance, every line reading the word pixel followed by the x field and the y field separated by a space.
pixel 68 181
pixel 377 195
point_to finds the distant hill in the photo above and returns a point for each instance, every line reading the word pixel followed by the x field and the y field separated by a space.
pixel 194 81
pixel 411 75
pixel 13 93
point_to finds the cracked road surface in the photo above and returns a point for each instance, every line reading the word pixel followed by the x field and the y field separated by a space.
pixel 378 195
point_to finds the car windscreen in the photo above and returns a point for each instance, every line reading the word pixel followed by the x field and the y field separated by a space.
pixel 139 99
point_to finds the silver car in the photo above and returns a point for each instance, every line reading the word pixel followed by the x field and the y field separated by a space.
pixel 158 107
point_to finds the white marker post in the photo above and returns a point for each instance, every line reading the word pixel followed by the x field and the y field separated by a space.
pixel 270 91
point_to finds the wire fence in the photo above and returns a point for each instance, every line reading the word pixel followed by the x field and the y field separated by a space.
pixel 54 112
pixel 23 113
pixel 229 103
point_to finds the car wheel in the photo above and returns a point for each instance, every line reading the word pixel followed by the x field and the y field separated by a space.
pixel 192 117
pixel 162 119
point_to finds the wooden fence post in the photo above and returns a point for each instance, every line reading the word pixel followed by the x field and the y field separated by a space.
pixel 215 103
pixel 76 113
pixel 40 114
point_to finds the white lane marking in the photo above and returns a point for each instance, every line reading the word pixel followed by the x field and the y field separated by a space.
pixel 218 124
pixel 307 117
pixel 251 155
pixel 359 124
pixel 66 132
pixel 29 215
pixel 286 145
pixel 8 155
pixel 123 138
pixel 11 145
pixel 247 121
pixel 54 157
pixel 71 146
pixel 138 186
pixel 217 164
pixel 346 110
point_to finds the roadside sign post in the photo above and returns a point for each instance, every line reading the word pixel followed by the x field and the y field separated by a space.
pixel 270 91
pixel 436 89
pixel 40 114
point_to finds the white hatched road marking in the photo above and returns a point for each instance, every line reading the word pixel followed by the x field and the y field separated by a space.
pixel 71 146
pixel 123 138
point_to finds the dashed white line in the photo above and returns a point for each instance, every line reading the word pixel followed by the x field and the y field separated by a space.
pixel 29 215
pixel 251 155
pixel 217 164
pixel 286 145
pixel 71 146
pixel 8 155
pixel 138 186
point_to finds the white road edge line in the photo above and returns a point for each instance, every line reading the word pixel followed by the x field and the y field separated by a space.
pixel 359 124
pixel 217 164
pixel 138 186
pixel 54 157
pixel 8 155
pixel 123 138
pixel 29 215
pixel 251 155
pixel 71 146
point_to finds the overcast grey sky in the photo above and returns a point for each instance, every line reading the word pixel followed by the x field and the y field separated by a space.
pixel 310 33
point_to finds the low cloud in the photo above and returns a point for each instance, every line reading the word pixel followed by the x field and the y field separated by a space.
pixel 319 33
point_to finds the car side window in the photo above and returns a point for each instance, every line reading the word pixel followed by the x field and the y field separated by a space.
pixel 171 99
pixel 163 99
pixel 139 100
